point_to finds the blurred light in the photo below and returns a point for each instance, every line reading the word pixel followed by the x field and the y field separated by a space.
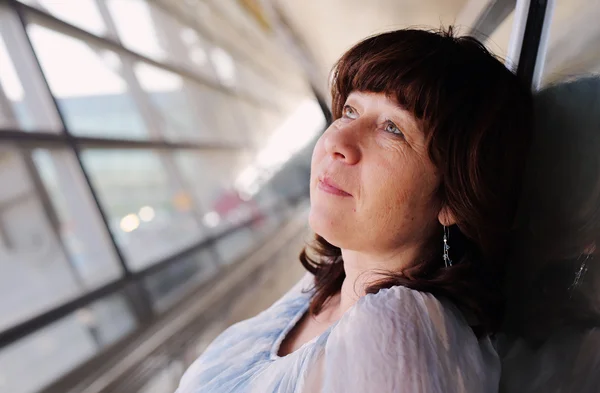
pixel 85 317
pixel 244 196
pixel 46 344
pixel 64 75
pixel 146 213
pixel 136 26
pixel 198 56
pixel 189 36
pixel 295 133
pixel 224 65
pixel 211 219
pixel 111 59
pixel 247 178
pixel 130 223
pixel 182 201
pixel 155 80
pixel 83 13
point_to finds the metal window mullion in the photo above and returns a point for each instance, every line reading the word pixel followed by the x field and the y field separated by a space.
pixel 41 193
pixel 52 216
pixel 40 138
pixel 529 39
pixel 543 45
pixel 6 111
pixel 15 39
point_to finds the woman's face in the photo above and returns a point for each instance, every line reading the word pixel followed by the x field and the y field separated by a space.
pixel 372 183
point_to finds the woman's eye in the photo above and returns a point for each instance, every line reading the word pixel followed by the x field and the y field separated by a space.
pixel 392 128
pixel 349 112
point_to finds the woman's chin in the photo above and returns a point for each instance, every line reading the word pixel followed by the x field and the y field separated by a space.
pixel 327 226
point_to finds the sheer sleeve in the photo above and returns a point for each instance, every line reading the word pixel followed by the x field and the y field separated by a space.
pixel 404 341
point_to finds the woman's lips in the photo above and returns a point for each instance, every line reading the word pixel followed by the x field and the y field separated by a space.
pixel 329 187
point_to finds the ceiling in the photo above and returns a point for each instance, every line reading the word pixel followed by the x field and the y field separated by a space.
pixel 326 28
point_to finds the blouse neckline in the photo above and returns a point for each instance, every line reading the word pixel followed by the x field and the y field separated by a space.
pixel 274 355
pixel 287 329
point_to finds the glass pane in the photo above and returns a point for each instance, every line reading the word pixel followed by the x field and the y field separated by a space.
pixel 146 28
pixel 134 20
pixel 92 95
pixel 37 273
pixel 24 99
pixel 150 215
pixel 281 136
pixel 251 83
pixel 172 283
pixel 13 108
pixel 197 49
pixel 211 178
pixel 225 118
pixel 573 41
pixel 188 111
pixel 259 122
pixel 80 227
pixel 236 245
pixel 60 347
pixel 173 99
pixel 81 13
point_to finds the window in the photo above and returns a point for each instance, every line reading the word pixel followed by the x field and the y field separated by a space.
pixel 141 33
pixel 38 272
pixel 79 225
pixel 61 346
pixel 81 13
pixel 149 214
pixel 125 129
pixel 172 284
pixel 211 177
pixel 92 94
pixel 24 102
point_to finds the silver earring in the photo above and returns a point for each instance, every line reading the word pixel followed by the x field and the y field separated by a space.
pixel 447 259
pixel 580 273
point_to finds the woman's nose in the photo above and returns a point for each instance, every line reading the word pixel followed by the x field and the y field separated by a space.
pixel 341 144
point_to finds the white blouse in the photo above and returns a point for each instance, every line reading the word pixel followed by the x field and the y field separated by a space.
pixel 397 340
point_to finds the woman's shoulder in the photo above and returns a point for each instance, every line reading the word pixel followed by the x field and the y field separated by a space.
pixel 400 325
pixel 402 304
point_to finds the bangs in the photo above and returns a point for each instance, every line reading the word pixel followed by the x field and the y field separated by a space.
pixel 431 74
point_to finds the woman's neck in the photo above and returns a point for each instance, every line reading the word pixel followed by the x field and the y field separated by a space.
pixel 362 270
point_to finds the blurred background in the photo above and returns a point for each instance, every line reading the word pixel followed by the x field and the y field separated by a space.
pixel 154 164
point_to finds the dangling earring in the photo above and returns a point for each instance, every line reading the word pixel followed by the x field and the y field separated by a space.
pixel 447 259
pixel 580 273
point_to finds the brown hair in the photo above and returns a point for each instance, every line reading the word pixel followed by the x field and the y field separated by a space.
pixel 476 116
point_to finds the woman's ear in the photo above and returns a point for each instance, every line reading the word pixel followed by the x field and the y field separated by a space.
pixel 446 217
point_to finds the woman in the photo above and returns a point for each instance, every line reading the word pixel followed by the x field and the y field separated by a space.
pixel 426 150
